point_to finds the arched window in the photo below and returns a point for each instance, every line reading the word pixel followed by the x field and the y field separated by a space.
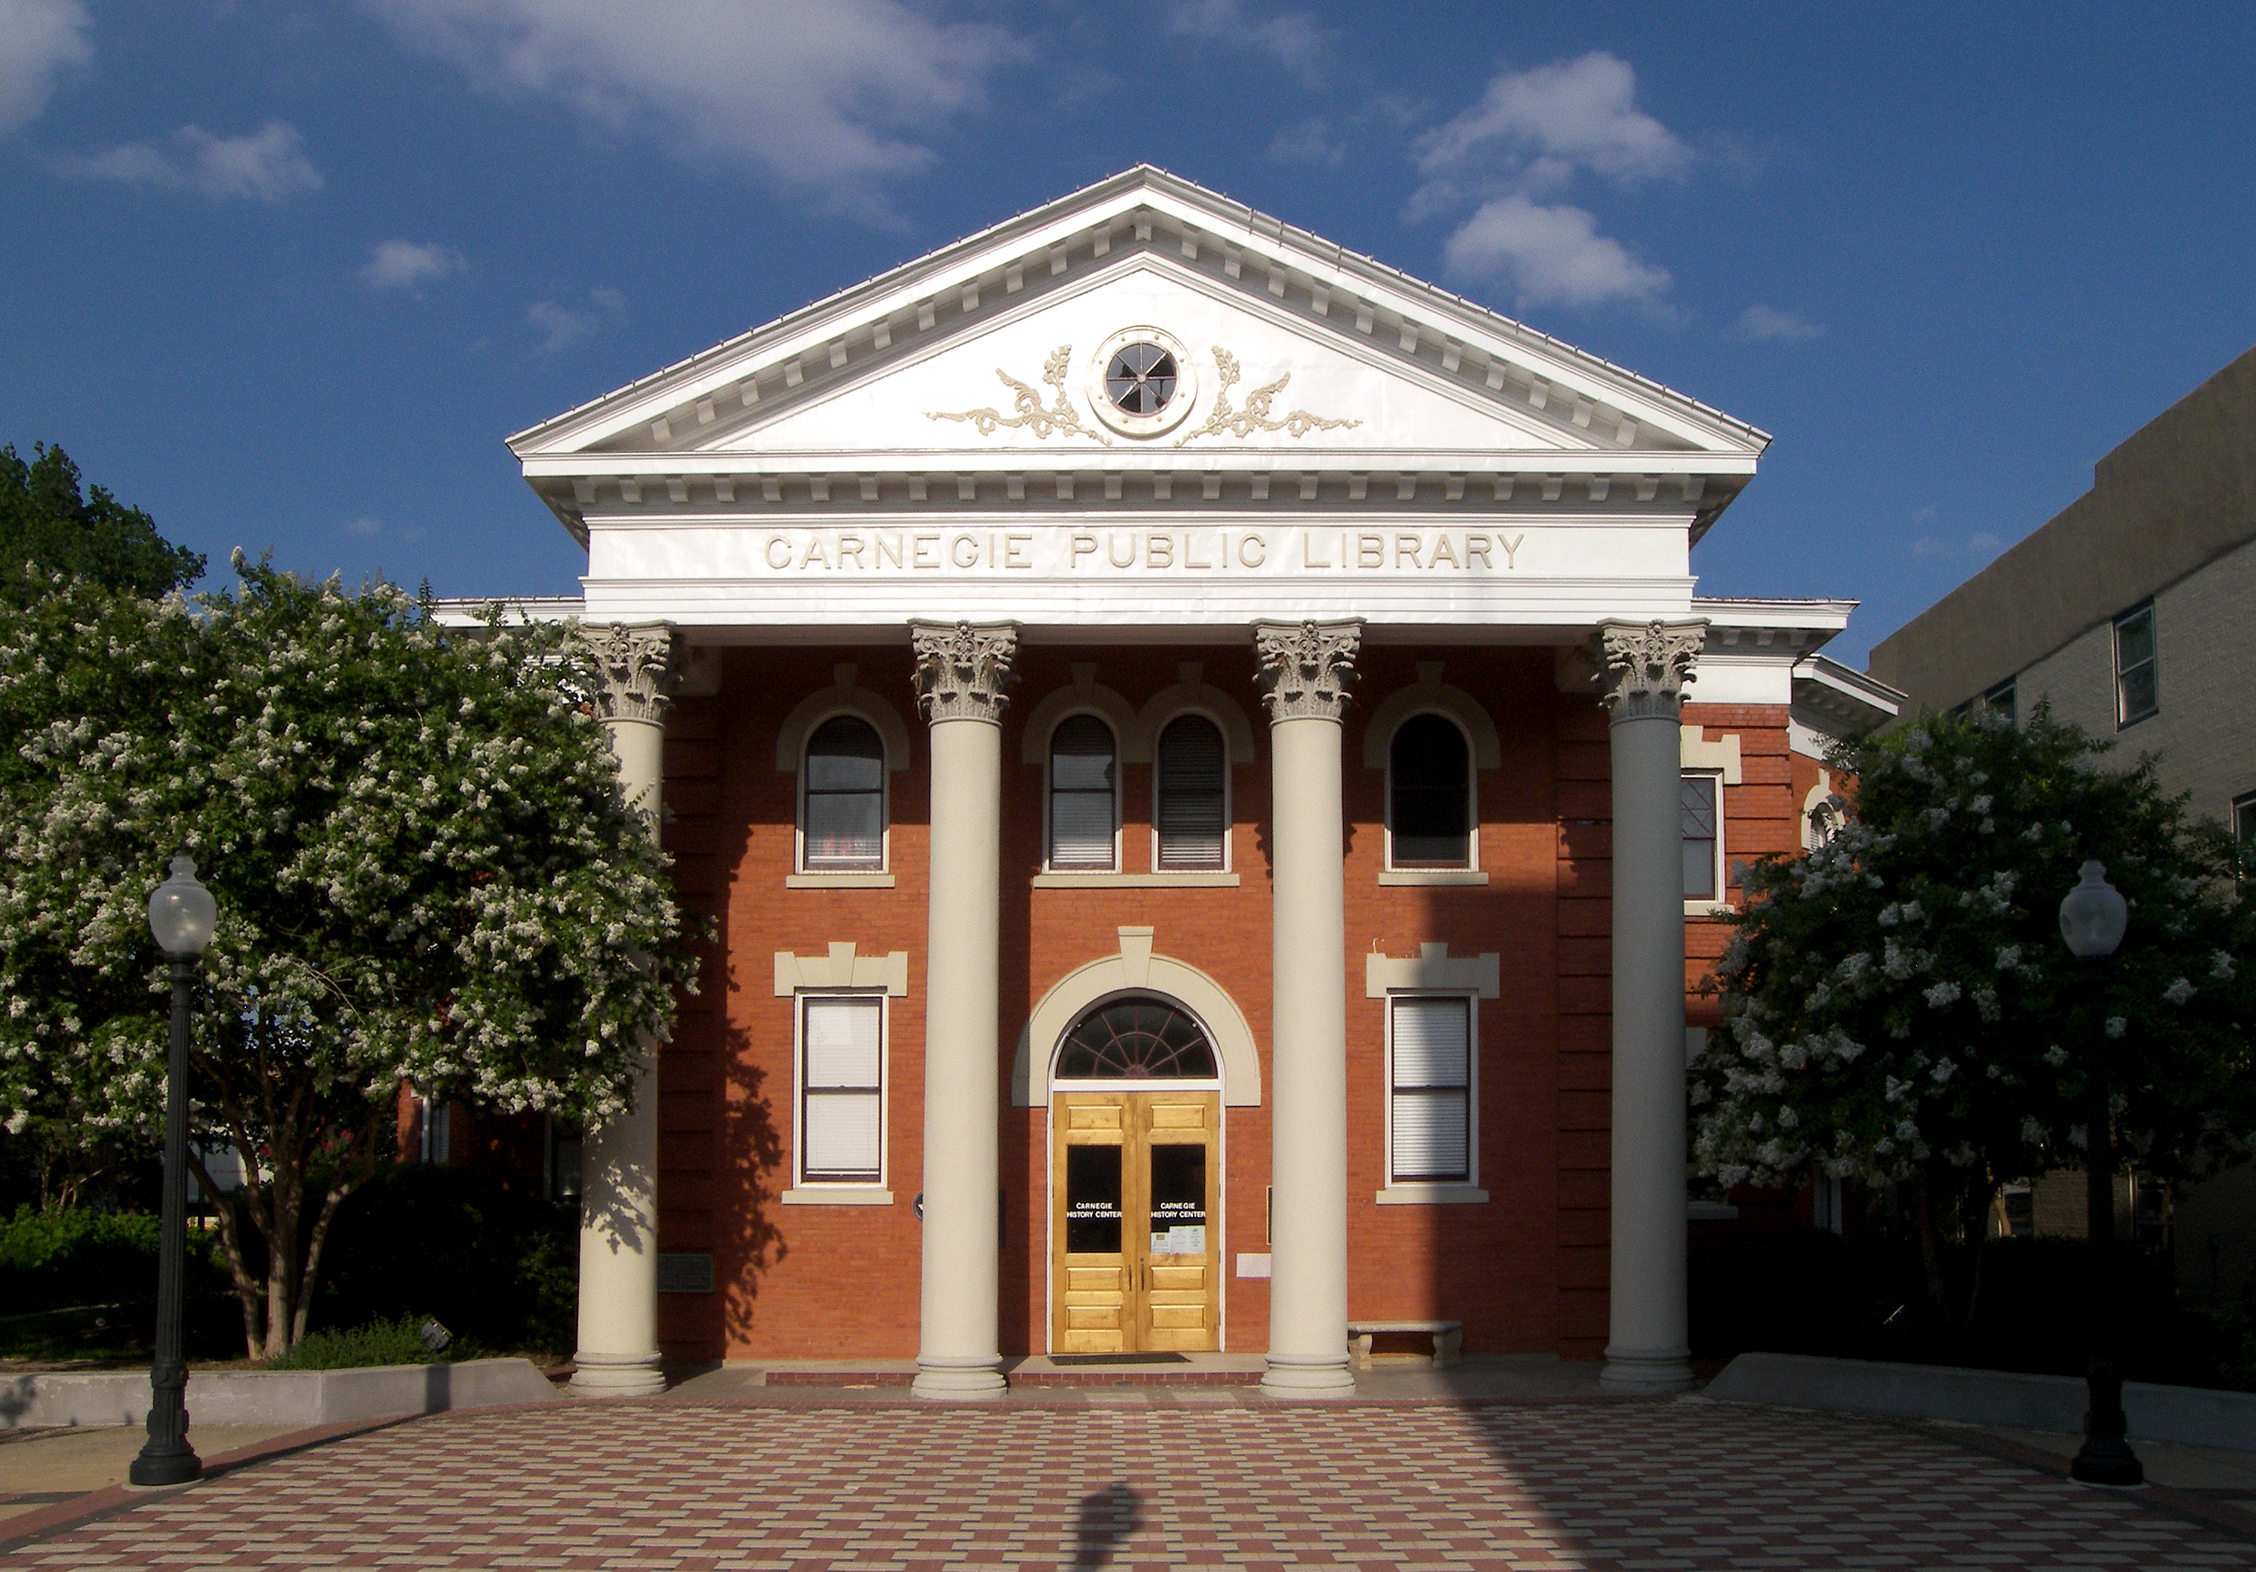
pixel 1430 795
pixel 1136 1039
pixel 1084 787
pixel 1192 780
pixel 842 811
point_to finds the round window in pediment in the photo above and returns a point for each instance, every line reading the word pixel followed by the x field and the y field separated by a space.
pixel 1141 382
pixel 1139 1038
pixel 1141 379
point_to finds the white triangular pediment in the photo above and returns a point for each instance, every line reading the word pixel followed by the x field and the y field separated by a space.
pixel 1031 383
pixel 1405 369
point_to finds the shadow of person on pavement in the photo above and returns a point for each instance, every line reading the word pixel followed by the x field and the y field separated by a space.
pixel 1106 1519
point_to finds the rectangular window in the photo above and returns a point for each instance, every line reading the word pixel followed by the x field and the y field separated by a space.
pixel 2137 694
pixel 1430 1091
pixel 1703 838
pixel 842 1089
pixel 2001 702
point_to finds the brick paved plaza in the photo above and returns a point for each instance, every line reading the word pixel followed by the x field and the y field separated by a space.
pixel 1185 1480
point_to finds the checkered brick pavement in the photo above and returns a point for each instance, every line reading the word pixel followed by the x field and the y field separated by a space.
pixel 1683 1484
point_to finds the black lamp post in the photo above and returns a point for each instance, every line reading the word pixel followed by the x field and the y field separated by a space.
pixel 182 915
pixel 2092 920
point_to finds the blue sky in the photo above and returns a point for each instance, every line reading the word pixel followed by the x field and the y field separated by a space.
pixel 286 275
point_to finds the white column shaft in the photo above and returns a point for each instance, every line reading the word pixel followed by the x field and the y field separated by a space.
pixel 618 1332
pixel 958 1353
pixel 1308 1205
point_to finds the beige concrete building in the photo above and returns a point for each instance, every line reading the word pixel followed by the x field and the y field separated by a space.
pixel 2134 613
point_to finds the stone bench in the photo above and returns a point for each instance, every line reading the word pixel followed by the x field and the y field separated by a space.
pixel 1448 1339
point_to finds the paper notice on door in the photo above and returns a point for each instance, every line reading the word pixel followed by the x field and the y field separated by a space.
pixel 1182 1239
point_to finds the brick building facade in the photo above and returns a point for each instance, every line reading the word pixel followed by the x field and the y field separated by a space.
pixel 1205 851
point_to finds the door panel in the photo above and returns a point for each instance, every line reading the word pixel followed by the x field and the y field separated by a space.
pixel 1136 1185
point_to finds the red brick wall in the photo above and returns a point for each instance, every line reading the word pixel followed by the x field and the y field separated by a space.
pixel 1525 1272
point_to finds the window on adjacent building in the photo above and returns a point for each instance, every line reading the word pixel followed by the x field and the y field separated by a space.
pixel 1430 1089
pixel 1192 780
pixel 842 808
pixel 2137 694
pixel 2244 832
pixel 1429 795
pixel 2001 702
pixel 1703 838
pixel 841 1088
pixel 1084 795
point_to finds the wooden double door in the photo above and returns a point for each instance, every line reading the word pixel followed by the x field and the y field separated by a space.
pixel 1135 1224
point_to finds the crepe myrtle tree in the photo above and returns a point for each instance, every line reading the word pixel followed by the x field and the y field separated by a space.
pixel 424 867
pixel 1899 1007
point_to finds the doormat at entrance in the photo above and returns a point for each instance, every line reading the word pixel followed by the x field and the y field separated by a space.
pixel 1119 1359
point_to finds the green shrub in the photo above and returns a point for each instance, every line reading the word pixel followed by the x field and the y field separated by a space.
pixel 493 1263
pixel 395 1342
pixel 50 1260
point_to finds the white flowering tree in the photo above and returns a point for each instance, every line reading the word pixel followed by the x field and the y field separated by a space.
pixel 424 868
pixel 1899 1005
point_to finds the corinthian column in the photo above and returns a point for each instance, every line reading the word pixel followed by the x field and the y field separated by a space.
pixel 1644 667
pixel 618 1335
pixel 961 672
pixel 1304 670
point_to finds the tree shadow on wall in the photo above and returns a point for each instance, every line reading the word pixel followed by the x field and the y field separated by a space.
pixel 746 1240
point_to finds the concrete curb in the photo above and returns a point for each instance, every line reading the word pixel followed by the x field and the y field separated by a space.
pixel 299 1398
pixel 2187 1415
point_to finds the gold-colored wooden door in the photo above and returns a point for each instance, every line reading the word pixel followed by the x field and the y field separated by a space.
pixel 1136 1241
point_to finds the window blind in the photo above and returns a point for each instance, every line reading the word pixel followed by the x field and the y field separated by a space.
pixel 1431 1113
pixel 1193 774
pixel 842 1107
pixel 1082 783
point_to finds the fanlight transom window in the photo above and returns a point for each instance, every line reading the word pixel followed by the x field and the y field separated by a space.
pixel 1136 1039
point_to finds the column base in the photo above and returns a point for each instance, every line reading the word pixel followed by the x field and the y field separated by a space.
pixel 1301 1378
pixel 970 1381
pixel 617 1375
pixel 1669 1370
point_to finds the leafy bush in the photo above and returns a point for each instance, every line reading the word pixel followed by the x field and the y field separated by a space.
pixel 394 1342
pixel 494 1264
pixel 50 1260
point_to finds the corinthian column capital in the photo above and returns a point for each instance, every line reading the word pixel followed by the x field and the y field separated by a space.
pixel 963 668
pixel 1305 667
pixel 1644 666
pixel 634 668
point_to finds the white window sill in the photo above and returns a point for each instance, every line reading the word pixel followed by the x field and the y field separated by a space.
pixel 1134 881
pixel 837 1195
pixel 1430 876
pixel 1432 1195
pixel 838 881
pixel 1709 909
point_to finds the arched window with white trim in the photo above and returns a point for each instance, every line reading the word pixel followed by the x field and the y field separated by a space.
pixel 842 798
pixel 1429 795
pixel 1084 796
pixel 1191 780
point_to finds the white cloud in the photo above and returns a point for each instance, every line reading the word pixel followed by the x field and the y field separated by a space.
pixel 562 325
pixel 402 264
pixel 1532 133
pixel 1550 255
pixel 40 40
pixel 1533 130
pixel 269 165
pixel 369 528
pixel 833 94
pixel 1763 323
pixel 1292 39
pixel 1980 546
